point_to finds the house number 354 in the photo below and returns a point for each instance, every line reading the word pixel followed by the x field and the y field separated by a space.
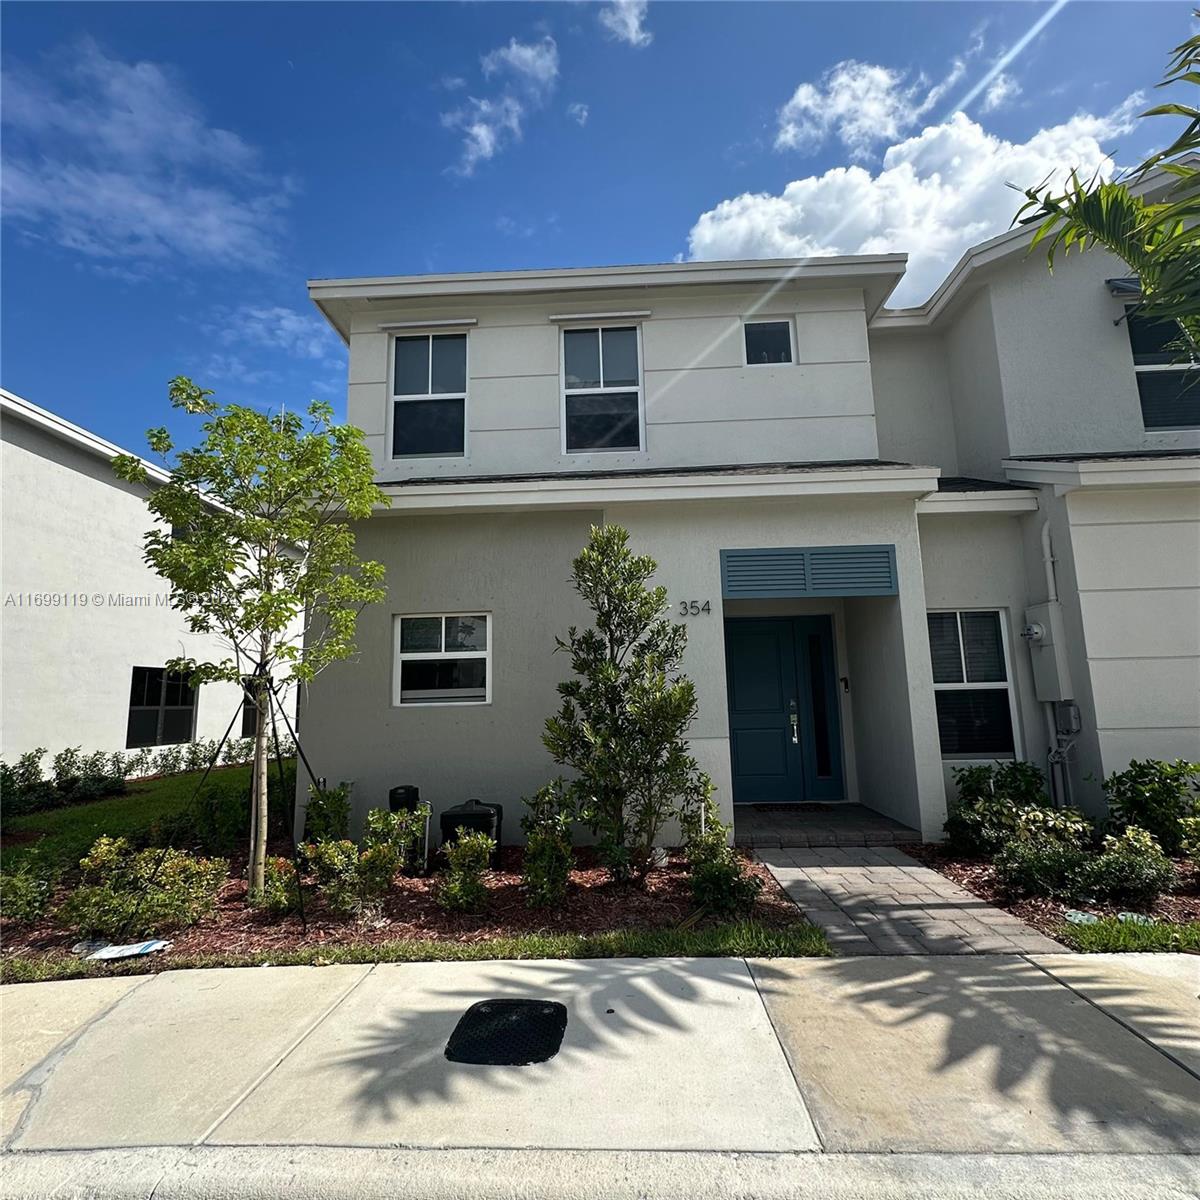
pixel 693 608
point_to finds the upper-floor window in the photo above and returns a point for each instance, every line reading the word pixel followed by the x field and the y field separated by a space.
pixel 429 395
pixel 1168 384
pixel 768 342
pixel 602 389
pixel 971 684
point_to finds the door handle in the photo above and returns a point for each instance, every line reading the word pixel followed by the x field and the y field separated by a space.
pixel 794 721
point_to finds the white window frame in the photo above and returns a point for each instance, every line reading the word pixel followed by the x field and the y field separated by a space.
pixel 1177 368
pixel 563 391
pixel 1018 751
pixel 402 656
pixel 428 332
pixel 762 320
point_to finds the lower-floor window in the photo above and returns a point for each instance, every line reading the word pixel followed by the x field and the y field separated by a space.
pixel 162 708
pixel 972 684
pixel 442 658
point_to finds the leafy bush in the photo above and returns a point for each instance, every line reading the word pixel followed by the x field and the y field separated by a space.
pixel 403 831
pixel 78 779
pixel 468 857
pixel 281 888
pixel 624 717
pixel 168 761
pixel 24 790
pixel 327 814
pixel 137 894
pixel 1155 796
pixel 1131 867
pixel 719 880
pixel 25 894
pixel 548 859
pixel 1040 866
pixel 1189 841
pixel 350 880
pixel 998 803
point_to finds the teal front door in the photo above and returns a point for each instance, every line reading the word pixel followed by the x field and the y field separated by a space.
pixel 784 731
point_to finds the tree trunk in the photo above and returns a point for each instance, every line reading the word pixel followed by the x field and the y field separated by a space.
pixel 258 802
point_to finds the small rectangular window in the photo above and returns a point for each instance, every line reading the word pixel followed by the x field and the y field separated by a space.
pixel 429 394
pixel 443 659
pixel 162 708
pixel 602 389
pixel 971 684
pixel 1168 382
pixel 768 342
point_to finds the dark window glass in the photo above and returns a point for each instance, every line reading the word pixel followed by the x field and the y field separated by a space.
pixel 984 647
pixel 943 646
pixel 769 342
pixel 620 357
pixel 177 725
pixel 442 680
pixel 581 357
pixel 427 427
pixel 1151 340
pixel 974 723
pixel 604 421
pixel 1170 399
pixel 142 729
pixel 466 633
pixel 449 363
pixel 421 635
pixel 162 708
pixel 249 718
pixel 412 366
pixel 818 682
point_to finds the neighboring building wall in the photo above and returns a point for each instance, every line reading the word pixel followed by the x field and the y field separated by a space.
pixel 703 405
pixel 1065 362
pixel 913 414
pixel 973 369
pixel 71 527
pixel 976 561
pixel 1136 556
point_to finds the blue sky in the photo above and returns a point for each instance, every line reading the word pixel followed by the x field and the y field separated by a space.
pixel 173 173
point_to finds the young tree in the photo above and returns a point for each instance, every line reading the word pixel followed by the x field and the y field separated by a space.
pixel 1159 240
pixel 623 717
pixel 255 541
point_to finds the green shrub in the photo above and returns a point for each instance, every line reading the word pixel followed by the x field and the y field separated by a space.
pixel 24 790
pixel 468 857
pixel 281 888
pixel 403 832
pixel 1131 868
pixel 350 880
pixel 1155 796
pixel 327 815
pixel 1040 866
pixel 168 761
pixel 137 894
pixel 78 779
pixel 548 859
pixel 718 877
pixel 25 894
pixel 1189 841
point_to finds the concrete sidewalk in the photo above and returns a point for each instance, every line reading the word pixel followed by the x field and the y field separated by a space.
pixel 797 1074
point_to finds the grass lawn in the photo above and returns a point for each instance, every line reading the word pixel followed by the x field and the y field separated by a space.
pixel 68 833
pixel 737 940
pixel 1110 936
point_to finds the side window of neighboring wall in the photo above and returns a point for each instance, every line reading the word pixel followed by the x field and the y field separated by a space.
pixel 972 684
pixel 1168 383
pixel 162 709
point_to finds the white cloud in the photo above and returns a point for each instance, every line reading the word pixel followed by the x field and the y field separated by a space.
pixel 115 161
pixel 935 194
pixel 1001 91
pixel 299 334
pixel 528 75
pixel 453 83
pixel 578 113
pixel 862 104
pixel 624 21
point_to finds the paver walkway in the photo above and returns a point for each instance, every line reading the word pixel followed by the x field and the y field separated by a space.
pixel 879 900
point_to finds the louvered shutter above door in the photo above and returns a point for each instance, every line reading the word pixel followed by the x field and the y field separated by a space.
pixel 808 571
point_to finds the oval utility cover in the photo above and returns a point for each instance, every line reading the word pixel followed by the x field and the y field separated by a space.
pixel 508 1033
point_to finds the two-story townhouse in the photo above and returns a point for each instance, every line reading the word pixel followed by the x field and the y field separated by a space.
pixel 879 581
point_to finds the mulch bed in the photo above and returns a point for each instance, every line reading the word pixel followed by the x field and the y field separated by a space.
pixel 594 904
pixel 978 876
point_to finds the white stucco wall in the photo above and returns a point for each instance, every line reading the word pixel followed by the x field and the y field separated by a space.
pixel 702 404
pixel 914 417
pixel 71 528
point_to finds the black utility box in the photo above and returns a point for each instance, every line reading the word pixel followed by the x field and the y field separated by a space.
pixel 405 798
pixel 474 816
